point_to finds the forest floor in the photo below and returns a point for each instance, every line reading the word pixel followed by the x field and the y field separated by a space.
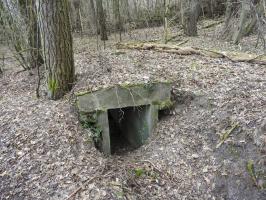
pixel 46 154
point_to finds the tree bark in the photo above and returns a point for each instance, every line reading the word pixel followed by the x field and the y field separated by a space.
pixel 228 12
pixel 191 12
pixel 93 17
pixel 101 20
pixel 77 13
pixel 125 11
pixel 54 22
pixel 240 32
pixel 264 7
pixel 165 37
pixel 34 38
pixel 117 18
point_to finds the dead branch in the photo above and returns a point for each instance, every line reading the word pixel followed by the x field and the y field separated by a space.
pixel 212 24
pixel 183 42
pixel 226 134
pixel 168 48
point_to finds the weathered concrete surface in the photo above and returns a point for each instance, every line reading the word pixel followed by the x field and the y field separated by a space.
pixel 124 96
pixel 102 120
pixel 139 105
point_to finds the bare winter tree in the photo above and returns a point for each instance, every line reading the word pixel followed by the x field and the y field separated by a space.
pixel 76 15
pixel 92 13
pixel 117 18
pixel 190 14
pixel 20 25
pixel 28 9
pixel 101 20
pixel 54 22
pixel 243 18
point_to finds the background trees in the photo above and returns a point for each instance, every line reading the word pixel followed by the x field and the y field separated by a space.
pixel 90 17
pixel 241 17
pixel 101 19
pixel 20 24
pixel 39 32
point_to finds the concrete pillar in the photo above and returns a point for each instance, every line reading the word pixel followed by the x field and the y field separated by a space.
pixel 103 123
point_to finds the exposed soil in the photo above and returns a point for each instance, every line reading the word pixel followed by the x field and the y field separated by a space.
pixel 46 154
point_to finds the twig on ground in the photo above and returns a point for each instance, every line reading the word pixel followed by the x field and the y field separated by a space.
pixel 226 134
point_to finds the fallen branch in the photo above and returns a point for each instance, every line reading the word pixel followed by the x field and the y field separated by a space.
pixel 212 24
pixel 177 49
pixel 183 42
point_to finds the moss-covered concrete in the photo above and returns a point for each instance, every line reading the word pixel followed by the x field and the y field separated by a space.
pixel 139 104
pixel 123 96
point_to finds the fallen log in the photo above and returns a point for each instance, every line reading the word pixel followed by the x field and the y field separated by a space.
pixel 170 48
pixel 212 24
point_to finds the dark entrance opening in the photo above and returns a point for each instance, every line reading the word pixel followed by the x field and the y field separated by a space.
pixel 128 128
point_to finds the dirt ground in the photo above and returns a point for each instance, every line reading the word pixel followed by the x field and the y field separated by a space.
pixel 46 154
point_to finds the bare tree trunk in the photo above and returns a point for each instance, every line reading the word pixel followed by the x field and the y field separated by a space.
pixel 191 11
pixel 28 11
pixel 34 35
pixel 117 16
pixel 125 11
pixel 228 12
pixel 165 37
pixel 54 22
pixel 93 17
pixel 240 32
pixel 264 7
pixel 101 19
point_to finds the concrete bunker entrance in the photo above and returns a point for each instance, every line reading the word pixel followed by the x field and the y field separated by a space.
pixel 128 127
pixel 123 116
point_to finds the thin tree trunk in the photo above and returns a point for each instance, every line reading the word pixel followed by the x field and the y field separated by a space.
pixel 264 7
pixel 34 35
pixel 240 32
pixel 165 37
pixel 191 11
pixel 117 16
pixel 21 31
pixel 125 11
pixel 53 18
pixel 228 12
pixel 101 20
pixel 93 17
